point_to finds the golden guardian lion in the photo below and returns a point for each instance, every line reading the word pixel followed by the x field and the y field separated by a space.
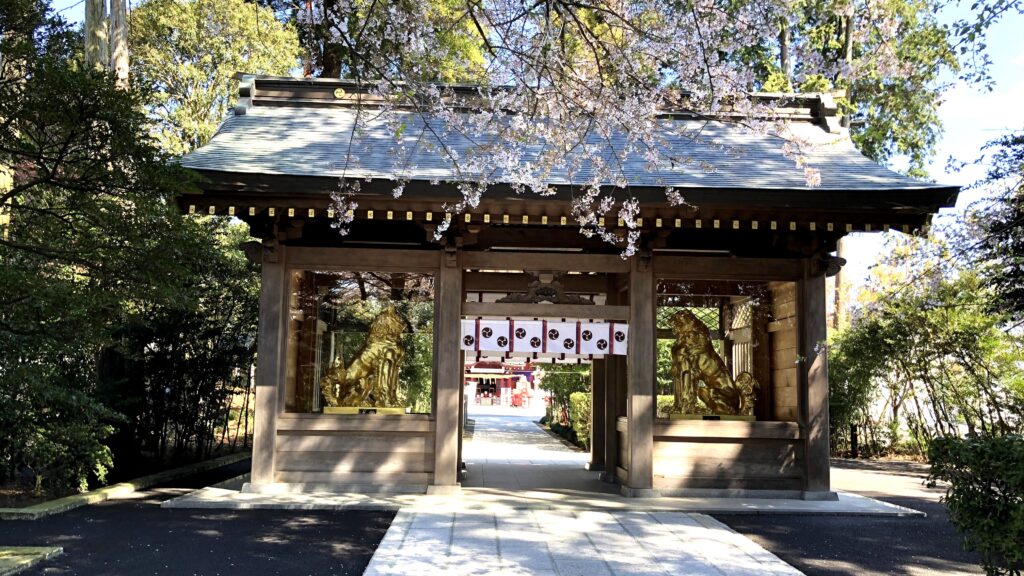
pixel 372 378
pixel 698 372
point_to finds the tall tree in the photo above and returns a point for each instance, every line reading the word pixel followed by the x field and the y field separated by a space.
pixel 892 61
pixel 185 53
pixel 337 36
pixel 1000 234
pixel 97 48
pixel 119 41
pixel 92 232
pixel 927 355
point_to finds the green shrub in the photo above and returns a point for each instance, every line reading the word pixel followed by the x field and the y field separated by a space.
pixel 664 404
pixel 580 415
pixel 985 496
pixel 563 431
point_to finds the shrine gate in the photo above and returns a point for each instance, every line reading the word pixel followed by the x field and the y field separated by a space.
pixel 719 385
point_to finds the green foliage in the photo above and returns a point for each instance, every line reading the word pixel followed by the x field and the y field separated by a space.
pixel 356 55
pixel 563 430
pixel 51 426
pixel 664 403
pixel 185 52
pixel 580 415
pixel 103 283
pixel 561 381
pixel 1001 245
pixel 926 359
pixel 89 208
pixel 177 365
pixel 985 496
pixel 889 58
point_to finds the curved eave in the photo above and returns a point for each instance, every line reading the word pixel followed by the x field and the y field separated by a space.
pixel 264 190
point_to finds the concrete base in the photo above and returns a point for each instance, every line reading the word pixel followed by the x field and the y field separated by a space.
pixel 507 502
pixel 639 492
pixel 732 493
pixel 594 467
pixel 325 488
pixel 445 490
pixel 820 496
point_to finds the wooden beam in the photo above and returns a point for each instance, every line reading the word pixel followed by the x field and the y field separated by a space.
pixel 640 364
pixel 341 423
pixel 726 268
pixel 555 261
pixel 814 383
pixel 272 323
pixel 705 430
pixel 449 371
pixel 698 288
pixel 546 311
pixel 517 282
pixel 385 260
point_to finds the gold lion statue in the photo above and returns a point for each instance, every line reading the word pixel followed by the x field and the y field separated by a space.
pixel 372 378
pixel 698 372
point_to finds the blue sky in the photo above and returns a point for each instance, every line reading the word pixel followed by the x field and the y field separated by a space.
pixel 970 116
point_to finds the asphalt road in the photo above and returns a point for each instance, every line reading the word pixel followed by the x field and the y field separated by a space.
pixel 851 545
pixel 128 537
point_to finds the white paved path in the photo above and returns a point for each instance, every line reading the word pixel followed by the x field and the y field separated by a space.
pixel 510 452
pixel 577 543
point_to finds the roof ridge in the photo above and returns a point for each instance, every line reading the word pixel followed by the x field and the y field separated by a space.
pixel 262 90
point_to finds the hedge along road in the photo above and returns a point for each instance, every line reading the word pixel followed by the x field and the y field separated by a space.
pixel 832 545
pixel 136 536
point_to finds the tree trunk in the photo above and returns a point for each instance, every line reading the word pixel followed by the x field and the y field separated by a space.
pixel 839 300
pixel 119 41
pixel 848 23
pixel 785 64
pixel 97 41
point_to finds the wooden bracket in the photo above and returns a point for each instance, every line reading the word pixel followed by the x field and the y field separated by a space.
pixel 252 250
pixel 828 265
pixel 270 251
pixel 451 255
pixel 643 257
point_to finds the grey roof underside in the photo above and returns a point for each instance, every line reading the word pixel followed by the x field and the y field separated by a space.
pixel 300 141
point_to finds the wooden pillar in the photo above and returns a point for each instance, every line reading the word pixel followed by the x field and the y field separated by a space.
pixel 462 408
pixel 272 323
pixel 814 385
pixel 640 363
pixel 449 369
pixel 612 399
pixel 597 417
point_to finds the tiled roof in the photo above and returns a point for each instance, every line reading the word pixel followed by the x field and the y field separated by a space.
pixel 313 141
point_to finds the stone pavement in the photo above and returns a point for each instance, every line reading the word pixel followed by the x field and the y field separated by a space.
pixel 567 543
pixel 509 451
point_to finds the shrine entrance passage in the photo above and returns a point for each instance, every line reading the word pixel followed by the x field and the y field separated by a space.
pixel 506 449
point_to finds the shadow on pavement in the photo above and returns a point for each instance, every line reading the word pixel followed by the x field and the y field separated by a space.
pixel 848 545
pixel 136 536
